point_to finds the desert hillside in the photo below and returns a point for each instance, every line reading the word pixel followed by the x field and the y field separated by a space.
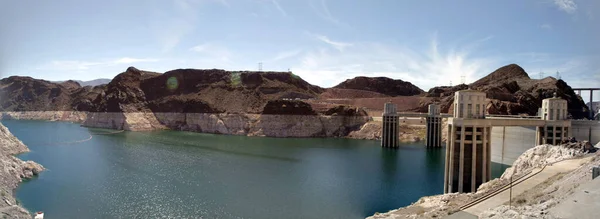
pixel 509 89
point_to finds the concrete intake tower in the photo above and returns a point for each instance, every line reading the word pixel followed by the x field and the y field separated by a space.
pixel 468 157
pixel 389 135
pixel 433 127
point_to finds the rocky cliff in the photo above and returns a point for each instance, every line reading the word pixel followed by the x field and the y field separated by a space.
pixel 12 172
pixel 200 91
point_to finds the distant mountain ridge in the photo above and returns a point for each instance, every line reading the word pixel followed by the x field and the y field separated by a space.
pixel 95 82
pixel 509 89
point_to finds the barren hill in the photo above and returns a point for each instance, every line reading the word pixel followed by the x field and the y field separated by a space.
pixel 509 89
pixel 382 85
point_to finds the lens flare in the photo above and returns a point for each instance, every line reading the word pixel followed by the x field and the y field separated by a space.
pixel 172 83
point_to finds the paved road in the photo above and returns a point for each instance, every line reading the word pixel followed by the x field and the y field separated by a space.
pixel 549 171
pixel 586 200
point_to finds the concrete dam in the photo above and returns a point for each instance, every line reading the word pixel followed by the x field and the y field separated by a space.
pixel 475 139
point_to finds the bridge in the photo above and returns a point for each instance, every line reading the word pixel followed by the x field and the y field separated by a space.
pixel 591 90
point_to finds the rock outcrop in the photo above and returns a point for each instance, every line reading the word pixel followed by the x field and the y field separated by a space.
pixel 12 172
pixel 382 85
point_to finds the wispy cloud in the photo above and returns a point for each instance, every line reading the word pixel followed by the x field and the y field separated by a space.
pixel 285 55
pixel 279 8
pixel 546 26
pixel 82 66
pixel 127 60
pixel 212 55
pixel 568 6
pixel 321 9
pixel 435 66
pixel 172 27
pixel 336 44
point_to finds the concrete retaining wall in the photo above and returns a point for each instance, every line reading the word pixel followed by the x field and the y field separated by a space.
pixel 586 130
pixel 516 140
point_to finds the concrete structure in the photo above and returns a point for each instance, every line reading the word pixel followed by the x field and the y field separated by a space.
pixel 389 134
pixel 553 109
pixel 591 90
pixel 586 130
pixel 509 142
pixel 468 161
pixel 433 138
pixel 469 152
pixel 594 106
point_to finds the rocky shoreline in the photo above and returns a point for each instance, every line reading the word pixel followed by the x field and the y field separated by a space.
pixel 12 172
pixel 265 125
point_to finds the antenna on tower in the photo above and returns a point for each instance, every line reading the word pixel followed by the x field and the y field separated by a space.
pixel 541 74
pixel 462 79
pixel 260 66
pixel 557 75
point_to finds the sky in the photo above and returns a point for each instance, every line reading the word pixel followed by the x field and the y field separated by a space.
pixel 429 43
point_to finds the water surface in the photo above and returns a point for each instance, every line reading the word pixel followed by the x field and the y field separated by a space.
pixel 192 175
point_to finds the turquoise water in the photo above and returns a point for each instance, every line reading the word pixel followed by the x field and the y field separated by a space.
pixel 191 175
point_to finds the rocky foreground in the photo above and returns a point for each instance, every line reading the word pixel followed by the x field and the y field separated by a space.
pixel 532 204
pixel 12 172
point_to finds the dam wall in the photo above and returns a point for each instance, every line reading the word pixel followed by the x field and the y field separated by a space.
pixel 509 142
pixel 586 130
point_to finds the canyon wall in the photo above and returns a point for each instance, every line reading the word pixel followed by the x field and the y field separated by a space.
pixel 231 124
pixel 68 116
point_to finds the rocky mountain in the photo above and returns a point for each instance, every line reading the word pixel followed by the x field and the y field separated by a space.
pixel 29 94
pixel 95 82
pixel 382 85
pixel 509 88
pixel 511 92
pixel 200 91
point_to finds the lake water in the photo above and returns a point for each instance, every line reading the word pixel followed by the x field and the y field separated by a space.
pixel 169 174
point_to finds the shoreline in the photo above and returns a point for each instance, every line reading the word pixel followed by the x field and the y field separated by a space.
pixel 14 171
pixel 262 125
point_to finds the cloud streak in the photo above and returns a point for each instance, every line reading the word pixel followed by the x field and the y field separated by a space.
pixel 568 6
pixel 427 68
pixel 320 8
pixel 279 8
pixel 211 55
pixel 546 26
pixel 286 55
pixel 82 66
pixel 336 44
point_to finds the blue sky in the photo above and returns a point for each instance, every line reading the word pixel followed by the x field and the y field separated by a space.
pixel 429 43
